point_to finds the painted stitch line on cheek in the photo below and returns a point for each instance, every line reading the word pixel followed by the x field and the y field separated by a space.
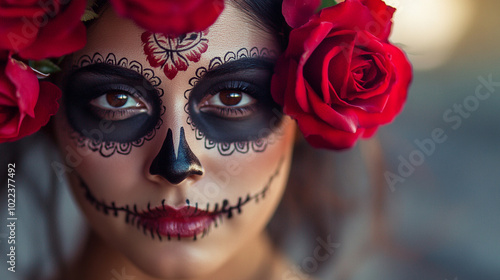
pixel 190 216
pixel 172 54
pixel 94 132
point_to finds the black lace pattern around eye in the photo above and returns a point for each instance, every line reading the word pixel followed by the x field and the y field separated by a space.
pixel 93 128
pixel 232 129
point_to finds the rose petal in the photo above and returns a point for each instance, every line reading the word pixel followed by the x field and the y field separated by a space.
pixel 10 121
pixel 46 107
pixel 62 35
pixel 171 17
pixel 316 34
pixel 346 122
pixel 398 91
pixel 320 135
pixel 7 91
pixel 298 12
pixel 25 83
pixel 18 29
pixel 383 15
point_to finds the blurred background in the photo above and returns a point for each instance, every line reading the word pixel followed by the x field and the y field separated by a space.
pixel 441 196
pixel 444 210
pixel 436 213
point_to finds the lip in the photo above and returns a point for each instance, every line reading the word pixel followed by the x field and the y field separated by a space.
pixel 182 222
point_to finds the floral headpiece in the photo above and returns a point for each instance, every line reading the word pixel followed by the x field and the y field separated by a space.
pixel 339 77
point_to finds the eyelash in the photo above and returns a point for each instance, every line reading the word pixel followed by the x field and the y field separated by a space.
pixel 231 112
pixel 111 114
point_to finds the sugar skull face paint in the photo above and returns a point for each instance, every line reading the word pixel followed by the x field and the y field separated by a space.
pixel 153 178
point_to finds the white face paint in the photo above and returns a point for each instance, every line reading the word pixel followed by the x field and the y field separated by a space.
pixel 220 125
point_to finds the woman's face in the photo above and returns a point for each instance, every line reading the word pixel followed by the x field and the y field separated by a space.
pixel 175 151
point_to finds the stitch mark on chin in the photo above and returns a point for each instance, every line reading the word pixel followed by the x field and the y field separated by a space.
pixel 172 54
pixel 109 148
pixel 226 149
pixel 133 218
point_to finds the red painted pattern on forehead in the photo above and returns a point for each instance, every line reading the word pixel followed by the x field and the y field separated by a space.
pixel 173 54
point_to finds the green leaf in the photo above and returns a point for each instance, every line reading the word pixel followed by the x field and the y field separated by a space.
pixel 328 3
pixel 45 66
pixel 89 15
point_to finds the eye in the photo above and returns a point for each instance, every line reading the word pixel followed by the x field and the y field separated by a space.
pixel 118 105
pixel 230 103
pixel 100 96
pixel 117 100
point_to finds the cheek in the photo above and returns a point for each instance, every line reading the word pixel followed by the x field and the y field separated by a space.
pixel 239 174
pixel 262 176
pixel 110 175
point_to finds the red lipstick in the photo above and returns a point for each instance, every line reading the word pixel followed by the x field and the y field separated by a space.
pixel 183 222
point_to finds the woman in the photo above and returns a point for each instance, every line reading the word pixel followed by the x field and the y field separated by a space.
pixel 175 143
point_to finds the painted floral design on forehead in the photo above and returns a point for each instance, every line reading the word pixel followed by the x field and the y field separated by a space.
pixel 172 54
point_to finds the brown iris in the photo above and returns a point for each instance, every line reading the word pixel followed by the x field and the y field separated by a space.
pixel 230 98
pixel 116 99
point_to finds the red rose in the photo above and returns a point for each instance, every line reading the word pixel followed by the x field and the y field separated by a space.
pixel 171 17
pixel 38 29
pixel 25 106
pixel 340 78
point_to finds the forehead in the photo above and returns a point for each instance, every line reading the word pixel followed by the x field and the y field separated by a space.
pixel 231 32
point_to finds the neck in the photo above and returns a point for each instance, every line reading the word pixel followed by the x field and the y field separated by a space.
pixel 257 260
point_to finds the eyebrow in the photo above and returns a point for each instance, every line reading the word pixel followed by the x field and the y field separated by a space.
pixel 247 63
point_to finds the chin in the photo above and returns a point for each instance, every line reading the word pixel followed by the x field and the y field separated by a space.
pixel 172 264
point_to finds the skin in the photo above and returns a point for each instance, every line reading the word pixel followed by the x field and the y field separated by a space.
pixel 237 249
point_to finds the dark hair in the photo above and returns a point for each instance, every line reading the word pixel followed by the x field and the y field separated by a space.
pixel 267 15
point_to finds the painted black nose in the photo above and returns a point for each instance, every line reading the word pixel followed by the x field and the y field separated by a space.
pixel 176 169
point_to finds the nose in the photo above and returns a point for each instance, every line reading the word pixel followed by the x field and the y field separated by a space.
pixel 176 168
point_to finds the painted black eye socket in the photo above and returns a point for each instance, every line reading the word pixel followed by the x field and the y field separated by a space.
pixel 235 106
pixel 121 97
